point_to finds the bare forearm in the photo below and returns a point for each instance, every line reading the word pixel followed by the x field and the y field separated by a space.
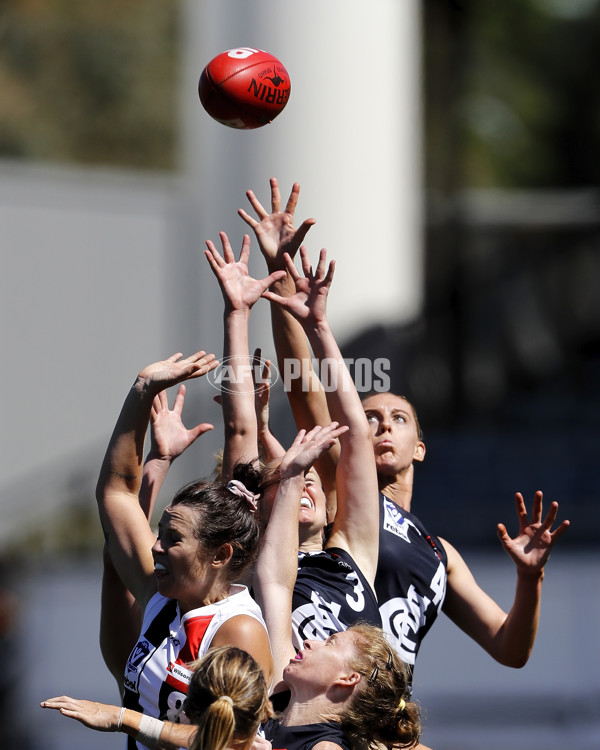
pixel 122 465
pixel 172 736
pixel 281 535
pixel 294 359
pixel 153 475
pixel 517 635
pixel 343 400
pixel 237 394
pixel 269 447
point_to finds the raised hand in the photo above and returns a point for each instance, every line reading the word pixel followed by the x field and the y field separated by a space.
pixel 308 447
pixel 275 231
pixel 309 303
pixel 169 437
pixel 160 375
pixel 531 547
pixel 240 290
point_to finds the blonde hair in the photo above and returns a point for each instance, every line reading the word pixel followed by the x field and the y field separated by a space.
pixel 227 697
pixel 381 709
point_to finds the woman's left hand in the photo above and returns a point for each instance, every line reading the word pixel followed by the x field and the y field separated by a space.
pixel 531 548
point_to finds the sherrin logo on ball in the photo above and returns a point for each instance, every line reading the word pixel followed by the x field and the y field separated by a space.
pixel 244 88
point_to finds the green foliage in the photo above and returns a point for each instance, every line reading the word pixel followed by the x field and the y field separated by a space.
pixel 93 82
pixel 524 109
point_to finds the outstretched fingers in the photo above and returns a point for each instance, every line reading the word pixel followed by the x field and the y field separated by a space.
pixel 261 212
pixel 325 436
pixel 292 202
pixel 217 260
pixel 179 400
pixel 291 268
pixel 323 273
pixel 200 363
pixel 276 196
pixel 174 357
pixel 214 257
pixel 549 522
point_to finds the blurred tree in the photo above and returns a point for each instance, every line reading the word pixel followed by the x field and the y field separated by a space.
pixel 530 105
pixel 92 82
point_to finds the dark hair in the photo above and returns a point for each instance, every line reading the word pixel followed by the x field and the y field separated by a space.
pixel 381 710
pixel 223 517
pixel 227 697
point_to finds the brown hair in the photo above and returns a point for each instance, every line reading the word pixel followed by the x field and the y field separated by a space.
pixel 223 517
pixel 227 697
pixel 381 709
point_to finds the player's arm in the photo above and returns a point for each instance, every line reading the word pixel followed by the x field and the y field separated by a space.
pixel 120 615
pixel 240 292
pixel 355 526
pixel 277 564
pixel 106 718
pixel 277 235
pixel 128 535
pixel 507 637
pixel 269 446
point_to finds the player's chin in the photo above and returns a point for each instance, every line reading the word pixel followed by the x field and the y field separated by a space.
pixel 164 586
pixel 387 462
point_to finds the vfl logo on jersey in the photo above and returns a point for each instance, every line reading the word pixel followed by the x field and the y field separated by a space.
pixel 395 522
pixel 136 659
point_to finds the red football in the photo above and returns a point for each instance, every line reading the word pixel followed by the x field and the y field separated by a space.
pixel 244 88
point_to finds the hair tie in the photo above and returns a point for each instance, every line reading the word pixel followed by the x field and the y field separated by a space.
pixel 239 488
pixel 401 705
pixel 227 699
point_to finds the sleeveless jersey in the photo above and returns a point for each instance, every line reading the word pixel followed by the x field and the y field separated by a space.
pixel 330 594
pixel 411 578
pixel 156 673
pixel 303 737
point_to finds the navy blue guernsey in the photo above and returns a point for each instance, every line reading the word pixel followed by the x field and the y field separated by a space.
pixel 411 578
pixel 303 737
pixel 330 594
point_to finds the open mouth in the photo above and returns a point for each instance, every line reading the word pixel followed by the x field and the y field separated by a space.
pixel 159 569
pixel 306 502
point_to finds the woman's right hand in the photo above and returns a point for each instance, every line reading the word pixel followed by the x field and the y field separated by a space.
pixel 160 375
pixel 309 302
pixel 169 437
pixel 308 447
pixel 275 231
